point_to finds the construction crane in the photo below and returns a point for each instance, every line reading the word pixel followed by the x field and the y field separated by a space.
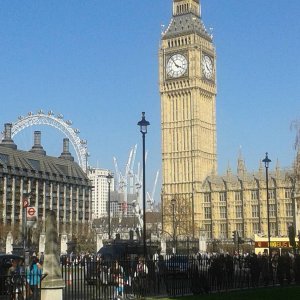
pixel 150 198
pixel 117 174
pixel 131 182
pixel 125 181
pixel 130 171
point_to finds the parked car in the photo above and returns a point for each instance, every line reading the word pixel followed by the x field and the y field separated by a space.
pixel 177 265
pixel 120 249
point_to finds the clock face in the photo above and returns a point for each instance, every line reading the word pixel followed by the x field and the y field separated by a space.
pixel 176 65
pixel 207 67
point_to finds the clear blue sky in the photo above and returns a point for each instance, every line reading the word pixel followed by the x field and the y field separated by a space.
pixel 96 62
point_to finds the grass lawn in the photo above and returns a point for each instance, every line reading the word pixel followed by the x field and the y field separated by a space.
pixel 276 293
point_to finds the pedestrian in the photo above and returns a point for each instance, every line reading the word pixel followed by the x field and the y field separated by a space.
pixel 140 278
pixel 33 276
pixel 15 280
pixel 116 273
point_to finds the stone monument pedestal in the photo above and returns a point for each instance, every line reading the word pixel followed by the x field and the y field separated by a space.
pixel 52 290
pixel 52 285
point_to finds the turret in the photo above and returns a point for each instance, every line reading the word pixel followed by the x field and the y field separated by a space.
pixel 181 7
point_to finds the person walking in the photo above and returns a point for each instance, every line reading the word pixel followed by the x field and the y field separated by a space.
pixel 15 280
pixel 33 276
pixel 140 278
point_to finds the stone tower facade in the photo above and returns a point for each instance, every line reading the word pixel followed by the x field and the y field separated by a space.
pixel 194 197
pixel 187 69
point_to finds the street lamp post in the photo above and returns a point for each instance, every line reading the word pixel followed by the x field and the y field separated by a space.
pixel 267 161
pixel 173 202
pixel 109 178
pixel 24 223
pixel 143 129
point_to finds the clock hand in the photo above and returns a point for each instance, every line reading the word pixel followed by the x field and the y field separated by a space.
pixel 175 62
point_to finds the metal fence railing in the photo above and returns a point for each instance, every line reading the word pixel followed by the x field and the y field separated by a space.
pixel 93 278
pixel 19 287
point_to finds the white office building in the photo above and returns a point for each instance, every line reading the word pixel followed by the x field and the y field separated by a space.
pixel 100 185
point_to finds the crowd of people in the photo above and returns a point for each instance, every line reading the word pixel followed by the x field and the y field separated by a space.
pixel 24 281
pixel 255 269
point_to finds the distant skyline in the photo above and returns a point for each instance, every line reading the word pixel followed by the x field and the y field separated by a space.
pixel 96 62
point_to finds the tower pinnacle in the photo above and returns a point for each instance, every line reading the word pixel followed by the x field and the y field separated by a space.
pixel 181 7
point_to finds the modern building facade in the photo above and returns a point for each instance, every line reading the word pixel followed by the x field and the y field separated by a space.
pixel 47 183
pixel 203 199
pixel 100 184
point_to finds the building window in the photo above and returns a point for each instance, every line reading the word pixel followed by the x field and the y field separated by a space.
pixel 207 197
pixel 289 209
pixel 222 196
pixel 207 212
pixel 255 228
pixel 273 228
pixel 238 211
pixel 271 194
pixel 254 194
pixel 238 196
pixel 239 228
pixel 254 211
pixel 223 212
pixel 207 228
pixel 272 210
pixel 223 230
pixel 288 193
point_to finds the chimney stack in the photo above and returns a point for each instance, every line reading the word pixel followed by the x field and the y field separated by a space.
pixel 66 153
pixel 37 147
pixel 7 140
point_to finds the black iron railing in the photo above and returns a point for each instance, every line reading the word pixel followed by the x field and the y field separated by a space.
pixel 20 287
pixel 93 278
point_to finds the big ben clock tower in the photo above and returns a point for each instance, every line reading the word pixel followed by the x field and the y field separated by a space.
pixel 187 71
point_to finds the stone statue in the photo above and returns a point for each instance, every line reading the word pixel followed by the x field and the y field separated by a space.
pixel 53 284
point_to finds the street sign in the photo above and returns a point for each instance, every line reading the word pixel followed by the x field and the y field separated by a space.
pixel 25 203
pixel 31 212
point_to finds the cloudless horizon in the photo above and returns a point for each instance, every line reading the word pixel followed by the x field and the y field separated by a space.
pixel 96 62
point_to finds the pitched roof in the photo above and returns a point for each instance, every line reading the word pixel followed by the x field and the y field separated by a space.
pixel 186 24
pixel 25 163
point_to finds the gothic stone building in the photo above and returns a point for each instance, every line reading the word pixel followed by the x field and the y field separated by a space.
pixel 188 88
pixel 239 203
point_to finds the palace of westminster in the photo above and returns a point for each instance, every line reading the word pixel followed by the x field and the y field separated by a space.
pixel 204 200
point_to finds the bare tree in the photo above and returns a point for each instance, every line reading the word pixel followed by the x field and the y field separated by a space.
pixel 183 220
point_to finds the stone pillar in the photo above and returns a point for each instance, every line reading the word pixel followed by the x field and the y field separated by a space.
pixel 53 284
pixel 163 246
pixel 202 241
pixel 42 242
pixel 9 243
pixel 64 244
pixel 99 242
